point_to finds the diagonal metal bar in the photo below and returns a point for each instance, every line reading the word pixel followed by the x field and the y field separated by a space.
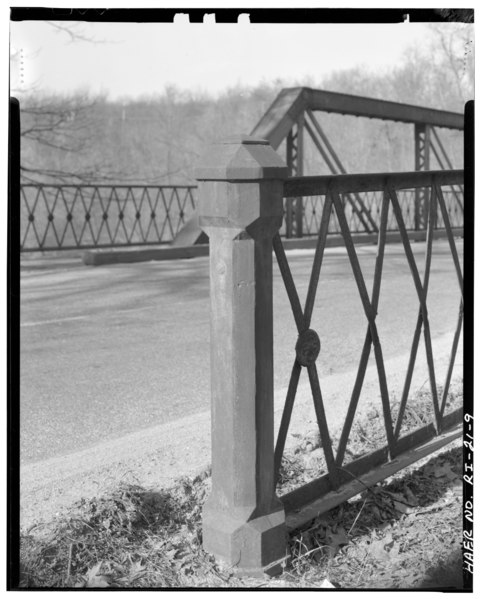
pixel 371 315
pixel 37 237
pixel 152 221
pixel 422 299
pixel 155 210
pixel 286 416
pixel 87 218
pixel 322 424
pixel 58 193
pixel 96 194
pixel 120 211
pixel 72 209
pixel 107 212
pixel 138 215
pixel 135 219
pixel 321 149
pixel 342 445
pixel 418 328
pixel 166 211
pixel 317 261
pixel 104 220
pixel 288 281
pixel 363 211
pixel 50 221
pixel 29 216
pixel 303 322
pixel 451 241
pixel 68 221
pixel 453 355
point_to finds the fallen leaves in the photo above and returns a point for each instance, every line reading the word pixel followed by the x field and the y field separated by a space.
pixel 93 578
pixel 397 531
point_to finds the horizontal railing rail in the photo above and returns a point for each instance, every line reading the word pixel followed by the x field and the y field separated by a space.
pixel 363 182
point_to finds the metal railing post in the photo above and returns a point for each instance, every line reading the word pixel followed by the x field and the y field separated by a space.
pixel 240 208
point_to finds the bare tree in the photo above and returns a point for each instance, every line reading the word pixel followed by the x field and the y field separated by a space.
pixel 454 47
pixel 56 124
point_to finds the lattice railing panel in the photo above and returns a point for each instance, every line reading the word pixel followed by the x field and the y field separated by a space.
pixel 391 197
pixel 313 206
pixel 67 216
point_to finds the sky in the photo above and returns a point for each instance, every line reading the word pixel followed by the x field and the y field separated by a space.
pixel 127 60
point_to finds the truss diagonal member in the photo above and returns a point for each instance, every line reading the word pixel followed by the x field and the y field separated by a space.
pixel 453 355
pixel 363 210
pixel 359 212
pixel 288 281
pixel 317 261
pixel 320 148
pixel 370 313
pixel 286 416
pixel 432 212
pixel 322 424
pixel 450 238
pixel 368 337
pixel 422 299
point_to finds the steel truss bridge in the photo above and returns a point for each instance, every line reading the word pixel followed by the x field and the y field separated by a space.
pixel 57 217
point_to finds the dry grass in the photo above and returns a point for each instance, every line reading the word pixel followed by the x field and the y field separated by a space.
pixel 395 535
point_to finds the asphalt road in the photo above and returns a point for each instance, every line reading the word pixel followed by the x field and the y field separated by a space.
pixel 111 350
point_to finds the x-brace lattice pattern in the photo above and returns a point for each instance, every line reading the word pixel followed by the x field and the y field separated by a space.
pixel 307 347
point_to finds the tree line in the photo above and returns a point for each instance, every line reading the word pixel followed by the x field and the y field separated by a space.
pixel 158 139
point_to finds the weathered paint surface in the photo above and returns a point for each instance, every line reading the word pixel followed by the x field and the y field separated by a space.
pixel 243 520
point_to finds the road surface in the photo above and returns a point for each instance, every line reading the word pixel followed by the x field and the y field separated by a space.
pixel 116 349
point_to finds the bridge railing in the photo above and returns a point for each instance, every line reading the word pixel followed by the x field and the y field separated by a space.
pixel 55 217
pixel 372 200
pixel 241 200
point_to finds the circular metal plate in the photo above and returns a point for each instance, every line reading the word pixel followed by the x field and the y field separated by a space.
pixel 307 347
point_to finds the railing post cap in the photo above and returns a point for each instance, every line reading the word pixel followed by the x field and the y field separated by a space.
pixel 239 158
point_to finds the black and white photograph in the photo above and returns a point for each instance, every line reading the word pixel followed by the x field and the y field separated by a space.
pixel 239 355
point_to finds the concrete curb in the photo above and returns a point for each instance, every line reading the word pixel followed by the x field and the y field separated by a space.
pixel 103 257
pixel 99 258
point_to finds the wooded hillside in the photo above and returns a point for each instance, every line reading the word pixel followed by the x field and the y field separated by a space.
pixel 158 139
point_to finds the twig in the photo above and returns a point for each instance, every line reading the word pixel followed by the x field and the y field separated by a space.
pixel 358 515
pixel 70 551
